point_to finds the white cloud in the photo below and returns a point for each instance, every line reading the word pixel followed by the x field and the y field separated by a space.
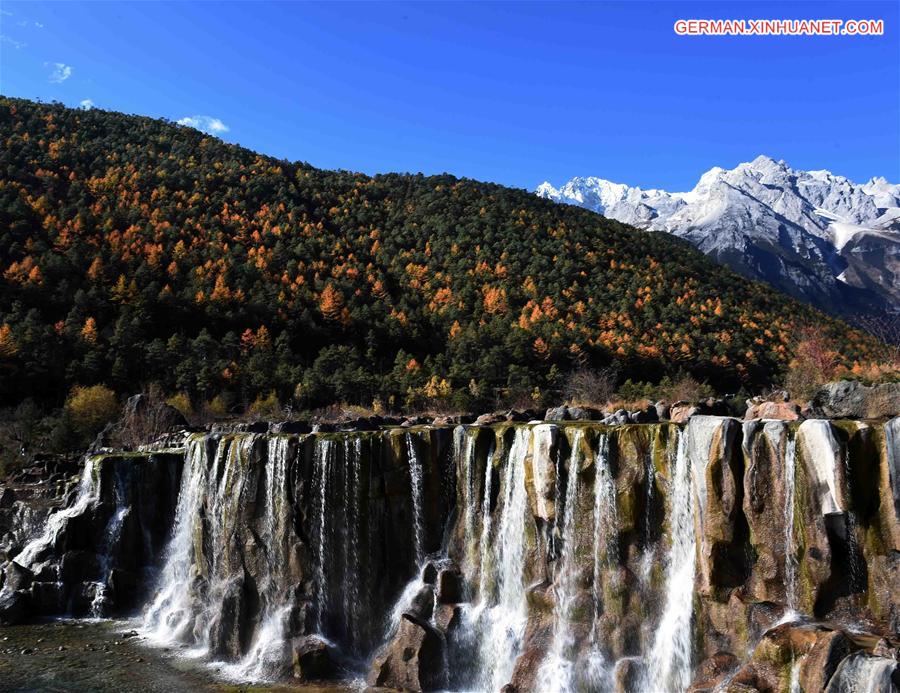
pixel 60 73
pixel 11 41
pixel 205 123
pixel 38 25
pixel 86 104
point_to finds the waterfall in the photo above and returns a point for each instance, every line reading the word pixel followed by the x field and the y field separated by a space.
pixel 110 539
pixel 321 469
pixel 350 587
pixel 606 556
pixel 558 666
pixel 501 622
pixel 669 667
pixel 485 563
pixel 464 454
pixel 265 660
pixel 794 682
pixel 170 616
pixel 790 549
pixel 87 494
pixel 415 481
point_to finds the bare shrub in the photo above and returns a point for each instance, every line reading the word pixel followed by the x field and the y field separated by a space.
pixel 815 362
pixel 885 328
pixel 587 386
pixel 147 416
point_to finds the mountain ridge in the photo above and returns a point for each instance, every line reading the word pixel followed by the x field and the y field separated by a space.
pixel 815 235
pixel 135 251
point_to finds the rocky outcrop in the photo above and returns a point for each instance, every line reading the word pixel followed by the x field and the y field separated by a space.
pixel 413 661
pixel 784 411
pixel 530 556
pixel 850 399
pixel 90 556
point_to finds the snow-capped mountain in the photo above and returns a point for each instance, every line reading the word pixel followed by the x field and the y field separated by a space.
pixel 813 234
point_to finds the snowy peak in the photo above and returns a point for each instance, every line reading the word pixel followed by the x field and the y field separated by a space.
pixel 805 231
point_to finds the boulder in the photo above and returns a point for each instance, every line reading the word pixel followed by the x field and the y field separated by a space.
pixel 165 415
pixel 312 659
pixel 681 411
pixel 662 410
pixel 15 607
pixel 413 660
pixel 628 675
pixel 7 498
pixel 79 566
pixel 808 652
pixel 47 598
pixel 784 411
pixel 619 418
pixel 584 414
pixel 850 399
pixel 294 427
pixel 415 421
pixel 449 586
pixel 489 419
pixel 823 659
pixel 422 604
pixel 864 672
pixel 429 573
pixel 447 618
pixel 645 416
pixel 16 577
pixel 713 672
pixel 557 414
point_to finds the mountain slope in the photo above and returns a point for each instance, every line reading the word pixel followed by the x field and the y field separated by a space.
pixel 812 234
pixel 134 250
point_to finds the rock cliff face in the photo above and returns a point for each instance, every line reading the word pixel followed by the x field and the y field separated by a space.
pixel 728 555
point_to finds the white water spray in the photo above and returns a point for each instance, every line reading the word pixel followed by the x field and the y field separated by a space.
pixel 669 666
pixel 415 480
pixel 557 670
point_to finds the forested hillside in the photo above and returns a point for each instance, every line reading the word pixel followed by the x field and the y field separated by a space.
pixel 135 251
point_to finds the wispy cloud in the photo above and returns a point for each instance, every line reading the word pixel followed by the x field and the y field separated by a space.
pixel 12 42
pixel 205 123
pixel 86 104
pixel 60 72
pixel 28 23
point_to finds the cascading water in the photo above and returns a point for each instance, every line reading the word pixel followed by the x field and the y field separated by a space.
pixel 501 623
pixel 87 494
pixel 486 563
pixel 266 657
pixel 464 452
pixel 790 550
pixel 415 480
pixel 669 665
pixel 606 557
pixel 557 670
pixel 350 584
pixel 170 617
pixel 321 469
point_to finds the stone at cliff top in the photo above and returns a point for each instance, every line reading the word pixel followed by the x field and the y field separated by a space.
pixel 557 414
pixel 682 411
pixel 850 399
pixel 584 414
pixel 784 411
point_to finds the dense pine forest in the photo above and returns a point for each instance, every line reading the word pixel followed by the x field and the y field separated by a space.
pixel 136 251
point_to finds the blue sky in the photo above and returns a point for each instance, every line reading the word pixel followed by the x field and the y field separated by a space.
pixel 513 93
